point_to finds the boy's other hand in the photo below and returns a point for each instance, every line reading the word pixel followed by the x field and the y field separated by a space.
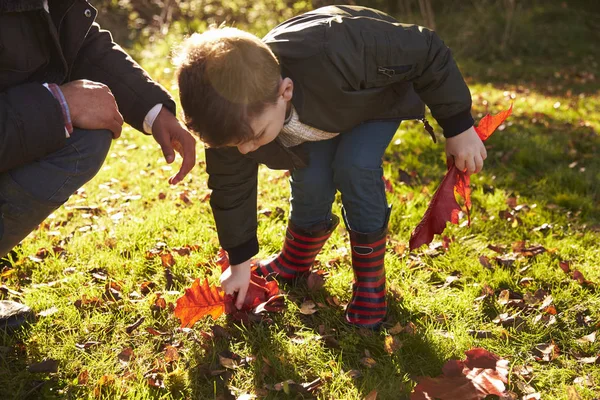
pixel 466 151
pixel 172 136
pixel 236 278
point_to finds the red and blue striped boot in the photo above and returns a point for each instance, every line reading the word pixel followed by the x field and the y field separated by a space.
pixel 300 249
pixel 368 305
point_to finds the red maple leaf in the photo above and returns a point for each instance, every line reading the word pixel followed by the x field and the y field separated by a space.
pixel 201 300
pixel 480 375
pixel 443 207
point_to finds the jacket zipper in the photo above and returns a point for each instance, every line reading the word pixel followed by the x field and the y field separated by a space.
pixel 390 71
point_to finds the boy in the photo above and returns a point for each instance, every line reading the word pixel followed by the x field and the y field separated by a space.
pixel 321 95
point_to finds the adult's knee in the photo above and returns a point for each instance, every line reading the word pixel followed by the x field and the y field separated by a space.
pixel 92 147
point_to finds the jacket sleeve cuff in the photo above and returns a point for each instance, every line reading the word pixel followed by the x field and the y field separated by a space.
pixel 243 252
pixel 457 123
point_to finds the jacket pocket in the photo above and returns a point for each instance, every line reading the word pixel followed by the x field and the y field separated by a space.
pixel 383 65
pixel 23 49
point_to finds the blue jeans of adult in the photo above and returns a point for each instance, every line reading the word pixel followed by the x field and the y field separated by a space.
pixel 31 192
pixel 351 163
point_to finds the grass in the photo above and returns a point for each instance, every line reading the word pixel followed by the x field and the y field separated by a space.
pixel 545 159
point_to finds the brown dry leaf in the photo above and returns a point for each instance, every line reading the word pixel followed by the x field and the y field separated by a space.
pixel 308 307
pixel 572 394
pixel 396 329
pixel 167 259
pixel 171 354
pixel 481 374
pixel 391 344
pixel 545 352
pixel 46 366
pixel 368 362
pixel 510 321
pixel 485 262
pixel 591 338
pixel 372 395
pixel 146 287
pixel 126 355
pixel 83 377
pixel 497 248
pixel 316 280
pixel 105 380
pixel 130 328
pixel 86 345
pixel 480 334
pixel 410 328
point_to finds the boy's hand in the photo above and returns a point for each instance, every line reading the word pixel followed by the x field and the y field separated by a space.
pixel 467 151
pixel 236 278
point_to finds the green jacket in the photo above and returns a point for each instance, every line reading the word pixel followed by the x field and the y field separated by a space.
pixel 349 65
pixel 65 45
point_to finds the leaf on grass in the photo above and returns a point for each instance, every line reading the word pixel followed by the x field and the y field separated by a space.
pixel 391 344
pixel 443 207
pixel 481 374
pixel 202 299
pixel 46 366
pixel 545 352
pixel 199 301
pixel 126 355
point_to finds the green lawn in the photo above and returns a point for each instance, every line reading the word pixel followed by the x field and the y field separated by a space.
pixel 539 187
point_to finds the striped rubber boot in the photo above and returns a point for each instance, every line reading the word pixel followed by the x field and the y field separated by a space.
pixel 300 249
pixel 368 305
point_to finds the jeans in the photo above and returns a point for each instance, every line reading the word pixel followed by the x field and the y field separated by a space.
pixel 351 163
pixel 29 193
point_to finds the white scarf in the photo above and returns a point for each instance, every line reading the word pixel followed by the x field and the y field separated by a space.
pixel 295 132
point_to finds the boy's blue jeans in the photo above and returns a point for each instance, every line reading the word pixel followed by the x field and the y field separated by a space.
pixel 351 163
pixel 29 193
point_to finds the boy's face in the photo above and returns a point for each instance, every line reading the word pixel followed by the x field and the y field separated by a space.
pixel 267 125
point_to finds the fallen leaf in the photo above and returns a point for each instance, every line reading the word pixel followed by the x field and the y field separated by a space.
pixel 391 344
pixel 46 366
pixel 125 355
pixel 443 206
pixel 591 338
pixel 308 307
pixel 545 352
pixel 481 374
pixel 171 354
pixel 372 395
pixel 198 301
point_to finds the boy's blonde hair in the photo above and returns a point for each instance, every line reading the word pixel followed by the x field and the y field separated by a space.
pixel 226 77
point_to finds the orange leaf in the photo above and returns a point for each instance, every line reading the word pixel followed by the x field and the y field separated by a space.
pixel 199 301
pixel 443 207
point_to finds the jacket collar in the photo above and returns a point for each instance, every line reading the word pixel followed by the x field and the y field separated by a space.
pixel 20 5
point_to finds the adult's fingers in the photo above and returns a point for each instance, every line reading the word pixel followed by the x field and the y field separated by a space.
pixel 167 149
pixel 188 152
pixel 115 127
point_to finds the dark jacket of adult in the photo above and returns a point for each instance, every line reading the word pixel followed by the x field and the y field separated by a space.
pixel 349 65
pixel 65 45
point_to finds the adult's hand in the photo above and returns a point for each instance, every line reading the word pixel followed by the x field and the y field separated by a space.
pixel 172 136
pixel 92 106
